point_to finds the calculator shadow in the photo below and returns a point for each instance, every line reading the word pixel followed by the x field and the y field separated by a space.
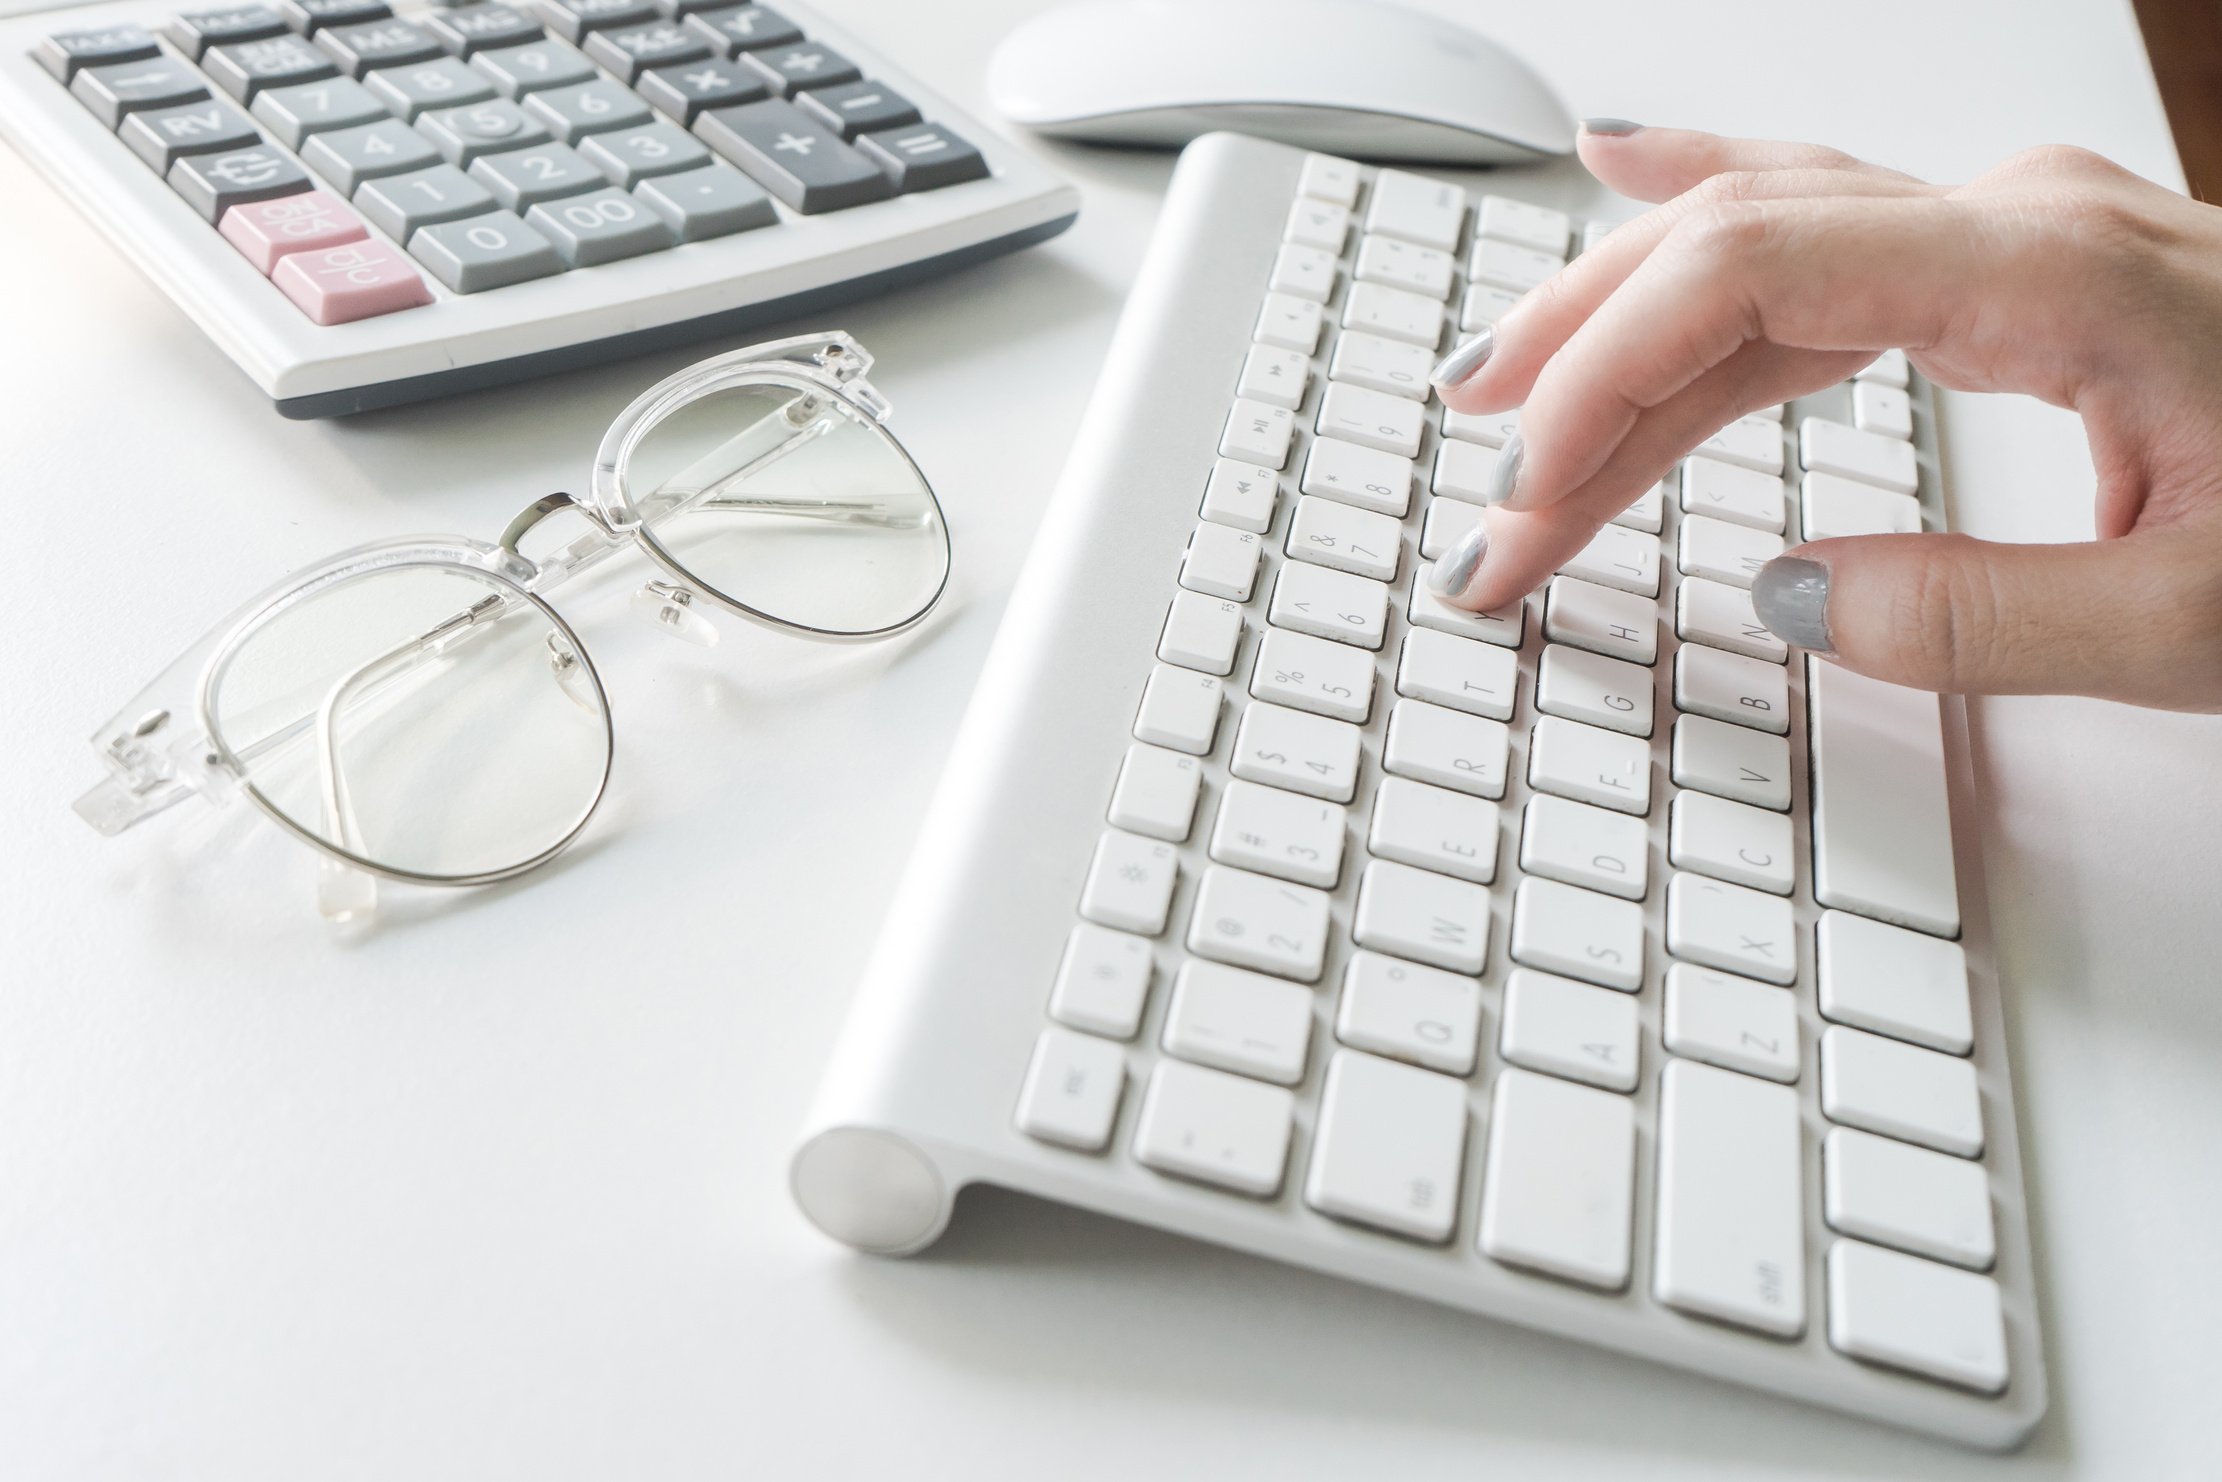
pixel 1015 1280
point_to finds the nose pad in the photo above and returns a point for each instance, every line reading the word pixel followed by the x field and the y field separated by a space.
pixel 570 673
pixel 672 608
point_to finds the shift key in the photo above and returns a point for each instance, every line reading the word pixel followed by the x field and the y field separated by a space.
pixel 800 162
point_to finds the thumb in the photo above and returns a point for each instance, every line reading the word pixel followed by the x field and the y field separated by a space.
pixel 1952 613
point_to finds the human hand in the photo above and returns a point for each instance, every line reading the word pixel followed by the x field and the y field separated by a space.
pixel 1774 270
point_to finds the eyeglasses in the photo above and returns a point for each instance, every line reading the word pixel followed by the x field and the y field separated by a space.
pixel 417 710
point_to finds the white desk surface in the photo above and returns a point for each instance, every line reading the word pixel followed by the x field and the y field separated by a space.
pixel 498 1191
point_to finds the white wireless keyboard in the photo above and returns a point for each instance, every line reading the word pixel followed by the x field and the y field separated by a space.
pixel 1593 964
pixel 365 207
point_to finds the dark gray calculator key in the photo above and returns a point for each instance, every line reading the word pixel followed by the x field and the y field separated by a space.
pixel 399 204
pixel 854 108
pixel 522 178
pixel 160 135
pixel 480 252
pixel 682 92
pixel 629 156
pixel 348 157
pixel 630 50
pixel 792 69
pixel 601 227
pixel 307 17
pixel 572 113
pixel 714 201
pixel 294 113
pixel 196 31
pixel 244 68
pixel 533 67
pixel 389 43
pixel 798 161
pixel 469 29
pixel 573 19
pixel 463 134
pixel 442 82
pixel 66 51
pixel 214 183
pixel 739 28
pixel 925 157
pixel 158 82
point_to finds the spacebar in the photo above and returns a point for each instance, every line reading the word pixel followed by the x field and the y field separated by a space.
pixel 1882 829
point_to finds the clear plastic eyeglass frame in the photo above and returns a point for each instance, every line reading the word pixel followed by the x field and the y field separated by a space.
pixel 417 710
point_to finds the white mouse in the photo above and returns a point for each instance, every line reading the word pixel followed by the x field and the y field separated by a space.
pixel 1349 77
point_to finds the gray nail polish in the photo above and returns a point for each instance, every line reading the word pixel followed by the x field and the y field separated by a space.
pixel 1610 127
pixel 1791 596
pixel 1458 367
pixel 1507 472
pixel 1455 571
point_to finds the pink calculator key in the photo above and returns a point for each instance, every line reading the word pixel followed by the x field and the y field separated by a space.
pixel 265 231
pixel 357 281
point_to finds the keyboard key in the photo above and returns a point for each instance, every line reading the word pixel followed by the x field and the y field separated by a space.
pixel 572 113
pixel 1831 447
pixel 1908 1198
pixel 1390 1144
pixel 1130 884
pixel 600 226
pixel 1072 1090
pixel 1304 272
pixel 1291 323
pixel 463 134
pixel 1504 626
pixel 797 161
pixel 537 65
pixel 1732 761
pixel 523 178
pixel 125 87
pixel 1103 982
pixel 1895 982
pixel 1589 765
pixel 1215 1128
pixel 683 92
pixel 1466 471
pixel 443 83
pixel 307 17
pixel 1221 562
pixel 1571 1030
pixel 1511 267
pixel 1287 748
pixel 1241 1021
pixel 629 156
pixel 1830 506
pixel 1479 678
pixel 265 231
pixel 399 204
pixel 387 43
pixel 1180 709
pixel 1321 224
pixel 1731 1217
pixel 1578 934
pixel 1392 367
pixel 1314 674
pixel 1731 687
pixel 348 157
pixel 628 51
pixel 214 183
pixel 1417 208
pixel 1559 1190
pixel 714 201
pixel 1279 833
pixel 1330 604
pixel 738 28
pixel 1721 616
pixel 1201 633
pixel 1241 495
pixel 1900 1310
pixel 1882 828
pixel 1620 625
pixel 467 30
pixel 1408 1012
pixel 1330 533
pixel 1740 496
pixel 1730 927
pixel 1627 560
pixel 865 107
pixel 1648 513
pixel 1585 686
pixel 294 113
pixel 1365 477
pixel 1393 313
pixel 1901 1091
pixel 1883 410
pixel 1732 841
pixel 1252 921
pixel 481 252
pixel 1421 916
pixel 802 65
pixel 244 68
pixel 1156 793
pixel 1433 828
pixel 1731 1022
pixel 1431 743
pixel 1887 369
pixel 195 32
pixel 1483 306
pixel 1490 429
pixel 1326 178
pixel 64 52
pixel 161 136
pixel 1421 270
pixel 358 280
pixel 1588 846
pixel 1523 225
pixel 573 19
pixel 1274 376
pixel 1751 442
pixel 923 157
pixel 1448 522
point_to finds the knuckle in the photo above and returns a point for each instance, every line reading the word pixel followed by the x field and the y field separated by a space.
pixel 1726 229
pixel 2062 161
pixel 1946 615
pixel 1729 187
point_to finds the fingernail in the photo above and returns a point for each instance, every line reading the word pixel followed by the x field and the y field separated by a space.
pixel 1458 367
pixel 1610 127
pixel 1507 471
pixel 1454 573
pixel 1791 596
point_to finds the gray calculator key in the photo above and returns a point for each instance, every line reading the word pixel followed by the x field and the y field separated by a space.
pixel 66 51
pixel 480 252
pixel 518 70
pixel 197 31
pixel 855 108
pixel 682 92
pixel 572 19
pixel 572 113
pixel 679 10
pixel 160 135
pixel 714 201
pixel 441 83
pixel 601 227
pixel 924 157
pixel 799 161
pixel 348 157
pixel 244 68
pixel 307 17
pixel 387 43
pixel 399 204
pixel 629 156
pixel 463 134
pixel 630 50
pixel 520 178
pixel 214 183
pixel 739 28
pixel 792 69
pixel 294 113
pixel 126 87
pixel 469 29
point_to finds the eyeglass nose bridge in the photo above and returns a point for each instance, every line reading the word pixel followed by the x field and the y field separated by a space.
pixel 669 607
